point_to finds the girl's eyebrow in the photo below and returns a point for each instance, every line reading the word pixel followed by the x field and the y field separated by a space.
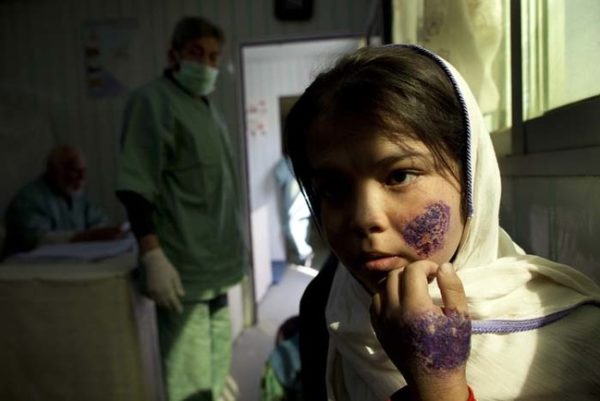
pixel 328 170
pixel 409 155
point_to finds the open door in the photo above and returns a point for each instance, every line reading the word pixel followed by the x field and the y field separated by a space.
pixel 273 74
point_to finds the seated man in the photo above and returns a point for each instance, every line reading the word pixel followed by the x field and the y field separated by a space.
pixel 53 208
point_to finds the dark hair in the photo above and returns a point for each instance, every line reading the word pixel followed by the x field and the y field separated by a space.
pixel 391 89
pixel 189 28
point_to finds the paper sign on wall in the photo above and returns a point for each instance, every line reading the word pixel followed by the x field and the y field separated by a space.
pixel 107 54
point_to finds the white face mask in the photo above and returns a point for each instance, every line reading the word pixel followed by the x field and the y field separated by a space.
pixel 199 79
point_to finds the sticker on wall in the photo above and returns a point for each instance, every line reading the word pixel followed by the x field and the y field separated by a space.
pixel 256 117
pixel 107 55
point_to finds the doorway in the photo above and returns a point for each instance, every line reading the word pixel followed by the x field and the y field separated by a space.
pixel 273 74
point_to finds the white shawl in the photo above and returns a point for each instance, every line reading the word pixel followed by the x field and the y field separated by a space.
pixel 536 323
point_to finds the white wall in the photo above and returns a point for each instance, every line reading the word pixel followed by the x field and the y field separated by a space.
pixel 555 217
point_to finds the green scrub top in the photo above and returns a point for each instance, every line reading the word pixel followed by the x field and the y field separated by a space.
pixel 175 153
pixel 38 209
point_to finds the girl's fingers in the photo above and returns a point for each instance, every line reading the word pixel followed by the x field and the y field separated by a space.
pixel 387 298
pixel 414 286
pixel 405 292
pixel 391 290
pixel 376 304
pixel 375 311
pixel 453 293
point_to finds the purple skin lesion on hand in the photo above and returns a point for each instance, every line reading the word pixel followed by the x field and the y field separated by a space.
pixel 426 232
pixel 439 343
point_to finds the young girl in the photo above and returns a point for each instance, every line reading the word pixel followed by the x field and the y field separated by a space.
pixel 432 300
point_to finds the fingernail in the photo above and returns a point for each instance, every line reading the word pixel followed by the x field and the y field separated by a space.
pixel 447 268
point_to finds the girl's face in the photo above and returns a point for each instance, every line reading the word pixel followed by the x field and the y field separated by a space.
pixel 383 205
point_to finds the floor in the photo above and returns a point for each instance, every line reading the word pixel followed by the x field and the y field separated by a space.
pixel 252 347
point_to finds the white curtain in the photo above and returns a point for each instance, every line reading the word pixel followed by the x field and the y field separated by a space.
pixel 467 33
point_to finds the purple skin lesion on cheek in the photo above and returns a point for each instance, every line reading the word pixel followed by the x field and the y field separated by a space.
pixel 426 232
pixel 439 343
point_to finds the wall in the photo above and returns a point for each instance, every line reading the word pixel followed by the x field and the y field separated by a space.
pixel 555 217
pixel 42 63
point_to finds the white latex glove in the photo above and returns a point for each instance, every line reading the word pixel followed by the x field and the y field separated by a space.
pixel 163 282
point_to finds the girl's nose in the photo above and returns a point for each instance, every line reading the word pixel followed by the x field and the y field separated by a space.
pixel 368 212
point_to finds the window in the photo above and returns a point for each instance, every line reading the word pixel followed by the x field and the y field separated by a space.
pixel 533 65
pixel 560 63
pixel 561 53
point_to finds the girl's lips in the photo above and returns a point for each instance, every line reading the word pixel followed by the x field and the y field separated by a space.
pixel 384 263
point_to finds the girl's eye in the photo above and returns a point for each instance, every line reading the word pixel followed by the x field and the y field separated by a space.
pixel 400 177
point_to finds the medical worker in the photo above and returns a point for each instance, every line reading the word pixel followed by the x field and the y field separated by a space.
pixel 54 209
pixel 178 183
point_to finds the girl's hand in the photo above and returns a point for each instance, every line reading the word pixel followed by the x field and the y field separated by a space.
pixel 428 344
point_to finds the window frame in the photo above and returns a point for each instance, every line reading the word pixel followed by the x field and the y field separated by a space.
pixel 543 146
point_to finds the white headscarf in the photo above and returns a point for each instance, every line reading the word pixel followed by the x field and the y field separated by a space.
pixel 536 323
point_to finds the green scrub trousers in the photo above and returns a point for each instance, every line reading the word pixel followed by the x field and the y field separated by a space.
pixel 196 349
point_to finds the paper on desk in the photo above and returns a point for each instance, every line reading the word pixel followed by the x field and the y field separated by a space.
pixel 79 251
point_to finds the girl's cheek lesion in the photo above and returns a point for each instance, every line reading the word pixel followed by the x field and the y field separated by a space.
pixel 426 232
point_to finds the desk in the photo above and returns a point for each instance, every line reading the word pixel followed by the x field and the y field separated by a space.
pixel 77 331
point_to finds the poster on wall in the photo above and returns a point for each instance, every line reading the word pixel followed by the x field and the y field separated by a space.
pixel 256 117
pixel 107 55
